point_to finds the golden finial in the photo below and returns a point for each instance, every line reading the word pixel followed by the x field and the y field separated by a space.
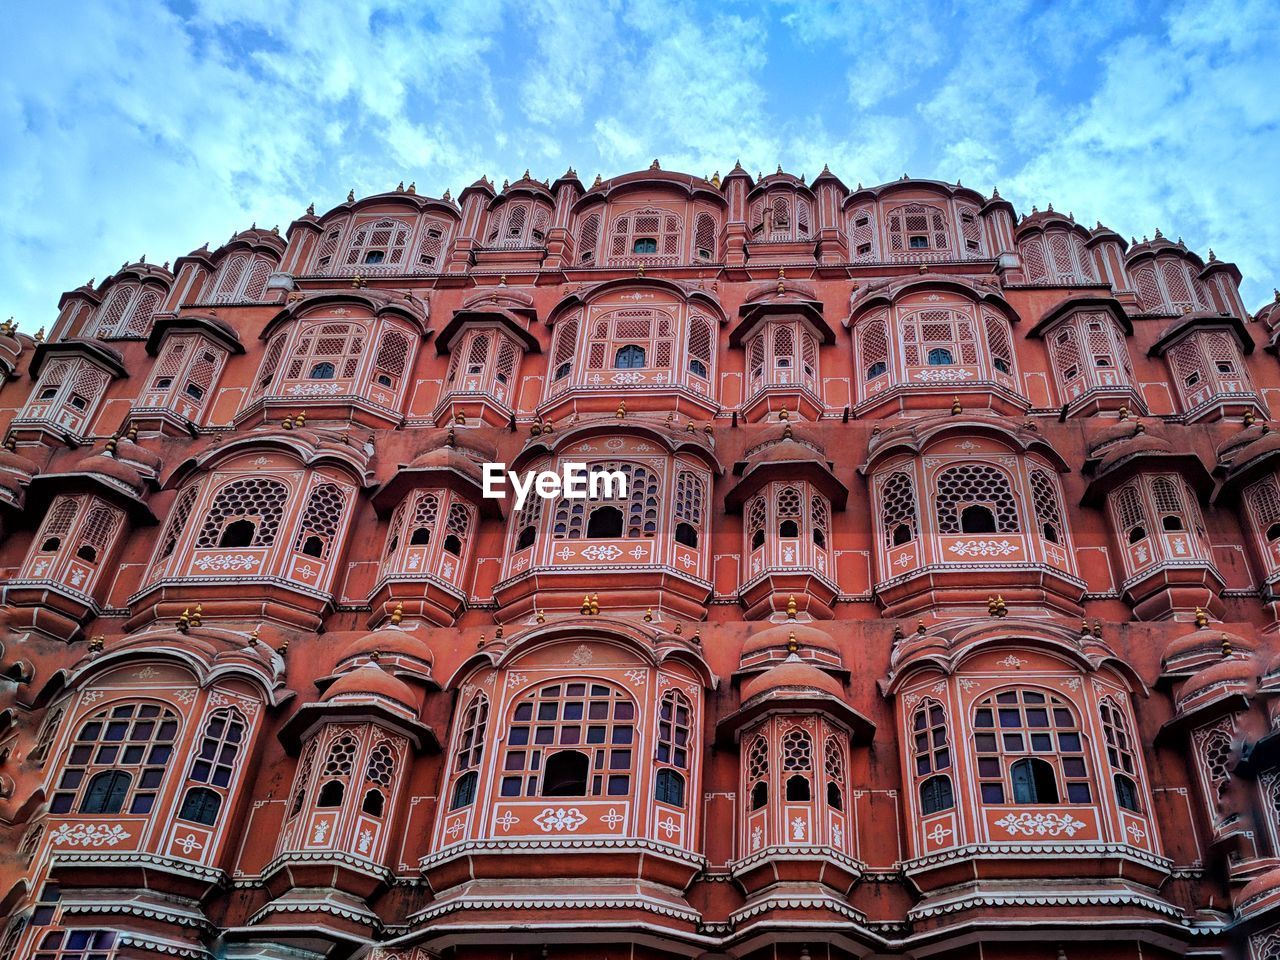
pixel 498 633
pixel 132 433
pixel 535 429
pixel 1202 619
pixel 677 629
pixel 301 419
pixel 648 615
pixel 97 643
pixel 956 409
pixel 505 183
pixel 715 179
pixel 996 607
pixel 897 632
pixel 783 415
pixel 480 641
pixel 284 647
pixel 1226 646
pixel 450 439
pixel 375 655
pixel 400 187
pixel 585 609
pixel 792 643
pixel 413 187
pixel 351 196
pixel 595 604
pixel 654 165
pixel 598 181
pixel 256 636
pixel 39 337
pixel 1084 627
pixel 786 432
pixel 920 631
pixel 111 447
pixel 1124 411
pixel 502 280
pixel 197 615
pixel 1249 418
pixel 287 423
pixel 539 616
pixel 791 607
pixel 460 418
pixel 397 614
pixel 621 412
pixel 1097 628
pixel 447 198
pixel 184 621
pixel 548 426
pixel 640 269
pixel 311 209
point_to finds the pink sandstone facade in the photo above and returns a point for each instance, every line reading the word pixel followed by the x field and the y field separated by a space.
pixel 939 620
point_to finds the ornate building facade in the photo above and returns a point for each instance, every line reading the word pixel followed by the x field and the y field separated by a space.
pixel 939 618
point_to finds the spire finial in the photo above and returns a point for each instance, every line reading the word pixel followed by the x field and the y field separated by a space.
pixel 791 607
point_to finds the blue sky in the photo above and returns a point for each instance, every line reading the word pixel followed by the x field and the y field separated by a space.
pixel 129 128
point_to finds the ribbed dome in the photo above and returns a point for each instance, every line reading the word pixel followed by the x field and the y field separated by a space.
pixel 371 681
pixel 1262 445
pixel 792 675
pixel 1233 675
pixel 1190 650
pixel 389 642
pixel 779 638
pixel 108 466
pixel 1123 449
pixel 1259 888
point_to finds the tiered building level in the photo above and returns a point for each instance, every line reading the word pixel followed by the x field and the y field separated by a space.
pixel 940 619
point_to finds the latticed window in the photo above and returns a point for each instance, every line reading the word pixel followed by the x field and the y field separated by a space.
pixel 938 338
pixel 975 498
pixel 758 772
pixel 898 508
pixel 321 521
pixel 1029 750
pixel 183 375
pixel 339 762
pixel 675 717
pixel 701 346
pixel 704 237
pixel 917 227
pixel 67 393
pixel 1057 257
pixel 931 753
pixel 174 528
pixel 788 512
pixel 1126 506
pixel 327 248
pixel 1120 754
pixel 76 945
pixel 48 733
pixel 563 351
pixel 862 235
pixel 637 515
pixel 1044 493
pixel 519 223
pixel 782 354
pixel 1263 502
pixel 302 779
pixel 1267 948
pixel 970 229
pixel 12 936
pixel 688 513
pixel 649 234
pixel 431 245
pixel 571 739
pixel 588 239
pixel 117 760
pixel 240 277
pixel 75 538
pixel 1168 286
pixel 632 338
pixel 244 513
pixel 327 351
pixel 796 750
pixel 470 751
pixel 757 517
pixel 27 848
pixel 270 363
pixel 833 767
pixel 999 343
pixel 526 523
pixel 484 361
pixel 128 310
pixel 1215 758
pixel 781 217
pixel 819 521
pixel 379 775
pixel 391 358
pixel 457 527
pixel 378 246
pixel 873 346
pixel 213 766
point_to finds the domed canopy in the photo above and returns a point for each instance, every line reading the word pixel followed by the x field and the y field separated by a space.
pixel 790 639
pixel 372 682
pixel 1233 676
pixel 1185 655
pixel 1259 894
pixel 794 677
pixel 786 452
pixel 401 652
pixel 1244 462
pixel 796 687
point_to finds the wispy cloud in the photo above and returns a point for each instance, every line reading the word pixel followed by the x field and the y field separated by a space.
pixel 133 127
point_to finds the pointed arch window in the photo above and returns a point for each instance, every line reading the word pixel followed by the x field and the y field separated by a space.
pixel 650 234
pixel 129 310
pixel 675 719
pixel 1048 512
pixel 931 753
pixel 796 749
pixel 833 766
pixel 213 766
pixel 1120 755
pixel 378 246
pixel 588 239
pixel 240 277
pixel 688 512
pixel 898 509
pixel 117 760
pixel 1029 749
pixel 640 510
pixel 321 521
pixel 575 738
pixel 470 751
pixel 758 773
pixel 916 227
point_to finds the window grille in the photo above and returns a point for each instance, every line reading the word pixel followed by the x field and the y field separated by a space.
pixel 257 499
pixel 974 484
pixel 117 761
pixel 1019 725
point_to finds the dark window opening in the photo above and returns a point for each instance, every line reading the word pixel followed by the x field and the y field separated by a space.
pixel 1001 364
pixel 1136 534
pixel 936 795
pixel 164 383
pixel 373 803
pixel 759 795
pixel 698 368
pixel 834 799
pixel 566 775
pixel 374 256
pixel 238 533
pixel 453 545
pixel 864 249
pixel 313 546
pixel 604 523
pixel 323 371
pixel 645 245
pixel 977 519
pixel 1127 793
pixel 331 794
pixel 1033 781
pixel 194 392
pixel 1226 366
pixel 757 540
pixel 106 792
pixel 918 243
pixel 1171 521
pixel 669 788
pixel 201 805
pixel 48 393
pixel 464 791
pixel 526 537
pixel 562 371
pixel 1050 533
pixel 876 369
pixel 940 357
pixel 901 534
pixel 78 401
pixel 1273 531
pixel 50 545
pixel 629 357
pixel 686 534
pixel 819 538
pixel 382 380
pixel 798 788
pixel 420 537
pixel 87 553
pixel 788 528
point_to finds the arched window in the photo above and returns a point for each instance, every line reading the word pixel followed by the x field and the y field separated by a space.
pixel 604 523
pixel 640 509
pixel 917 227
pixel 630 357
pixel 564 350
pixel 566 732
pixel 254 504
pixel 302 779
pixel 674 723
pixel 338 765
pixel 321 521
pixel 128 311
pixel 758 772
pixel 932 754
pixel 873 346
pixel 688 512
pixel 1048 514
pixel 1028 743
pixel 1126 504
pixel 117 760
pixel 962 488
pixel 940 357
pixel 649 233
pixel 704 237
pixel 938 337
pixel 1169 504
pixel 324 370
pixel 833 767
pixel 797 765
pixel 757 514
pixel 588 238
pixel 326 350
pixel 470 751
pixel 789 513
pixel 1120 755
pixel 526 522
pixel 48 733
pixel 1215 750
pixel 213 764
pixel 701 343
pixel 819 520
pixel 379 775
pixel 457 528
pixel 380 244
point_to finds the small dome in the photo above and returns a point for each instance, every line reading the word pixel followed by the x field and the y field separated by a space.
pixel 389 642
pixel 13 462
pixel 1200 647
pixel 1257 890
pixel 792 674
pixel 1124 449
pixel 1227 676
pixel 105 465
pixel 371 681
pixel 1118 431
pixel 1265 442
pixel 778 637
